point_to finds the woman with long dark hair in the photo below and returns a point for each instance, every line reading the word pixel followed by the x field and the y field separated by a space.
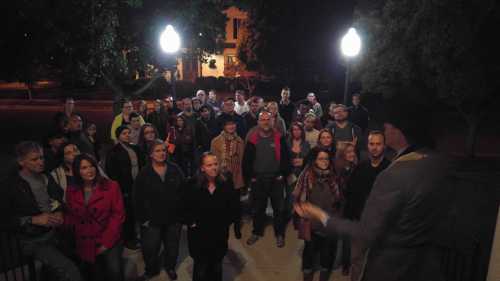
pixel 158 200
pixel 95 212
pixel 210 209
pixel 147 136
pixel 299 149
pixel 325 142
pixel 318 184
pixel 346 161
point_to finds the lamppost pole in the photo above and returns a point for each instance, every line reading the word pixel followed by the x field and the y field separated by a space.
pixel 346 82
pixel 350 46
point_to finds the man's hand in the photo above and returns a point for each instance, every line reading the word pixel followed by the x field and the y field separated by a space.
pixel 253 180
pixel 101 250
pixel 310 211
pixel 57 218
pixel 44 219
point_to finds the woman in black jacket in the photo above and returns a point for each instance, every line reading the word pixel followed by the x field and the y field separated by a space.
pixel 158 191
pixel 210 209
pixel 123 163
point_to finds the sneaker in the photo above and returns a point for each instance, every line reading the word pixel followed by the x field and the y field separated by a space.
pixel 280 241
pixel 254 238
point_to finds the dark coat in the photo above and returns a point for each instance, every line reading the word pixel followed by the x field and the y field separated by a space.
pixel 212 214
pixel 118 166
pixel 157 201
pixel 205 131
pixel 82 142
pixel 399 222
pixel 359 187
pixel 249 155
pixel 160 121
pixel 359 116
pixel 97 223
pixel 286 112
pixel 17 201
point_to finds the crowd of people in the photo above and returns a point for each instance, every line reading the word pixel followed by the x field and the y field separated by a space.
pixel 189 162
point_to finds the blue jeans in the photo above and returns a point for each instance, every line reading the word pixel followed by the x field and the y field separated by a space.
pixel 46 251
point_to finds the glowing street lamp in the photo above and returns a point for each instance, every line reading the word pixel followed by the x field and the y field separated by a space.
pixel 170 43
pixel 350 46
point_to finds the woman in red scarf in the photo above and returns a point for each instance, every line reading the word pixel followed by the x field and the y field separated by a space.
pixel 318 184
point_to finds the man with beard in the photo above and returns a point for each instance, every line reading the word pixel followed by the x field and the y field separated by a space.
pixel 343 130
pixel 252 115
pixel 359 187
pixel 188 113
pixel 400 227
pixel 265 166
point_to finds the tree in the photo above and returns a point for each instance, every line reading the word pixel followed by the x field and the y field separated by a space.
pixel 432 51
pixel 102 42
pixel 294 40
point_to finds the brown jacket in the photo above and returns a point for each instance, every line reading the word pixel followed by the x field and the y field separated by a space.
pixel 232 162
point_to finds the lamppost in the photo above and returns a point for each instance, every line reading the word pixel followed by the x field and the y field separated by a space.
pixel 170 43
pixel 350 46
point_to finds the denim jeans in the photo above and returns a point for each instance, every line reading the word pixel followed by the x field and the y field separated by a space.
pixel 325 246
pixel 46 251
pixel 262 189
pixel 108 266
pixel 152 238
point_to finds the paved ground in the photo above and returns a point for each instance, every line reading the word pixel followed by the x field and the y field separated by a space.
pixel 261 262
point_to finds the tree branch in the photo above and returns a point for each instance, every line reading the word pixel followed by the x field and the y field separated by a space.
pixel 114 87
pixel 147 85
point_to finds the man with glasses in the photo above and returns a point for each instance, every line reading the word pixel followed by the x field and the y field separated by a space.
pixel 343 130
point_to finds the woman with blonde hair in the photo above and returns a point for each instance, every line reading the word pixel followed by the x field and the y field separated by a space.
pixel 279 123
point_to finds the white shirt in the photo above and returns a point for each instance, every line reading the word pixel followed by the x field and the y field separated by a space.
pixel 240 109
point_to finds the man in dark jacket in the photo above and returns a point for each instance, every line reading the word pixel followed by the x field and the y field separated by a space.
pixel 404 210
pixel 78 137
pixel 265 165
pixel 251 115
pixel 31 206
pixel 358 114
pixel 205 130
pixel 159 119
pixel 286 106
pixel 359 187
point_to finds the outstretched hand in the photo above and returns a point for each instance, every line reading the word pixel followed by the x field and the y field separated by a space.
pixel 310 211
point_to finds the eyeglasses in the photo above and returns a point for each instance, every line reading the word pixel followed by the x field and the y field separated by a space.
pixel 323 159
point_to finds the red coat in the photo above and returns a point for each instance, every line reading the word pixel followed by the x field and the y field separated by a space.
pixel 97 223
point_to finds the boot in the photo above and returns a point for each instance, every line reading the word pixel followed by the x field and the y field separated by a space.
pixel 309 276
pixel 324 275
